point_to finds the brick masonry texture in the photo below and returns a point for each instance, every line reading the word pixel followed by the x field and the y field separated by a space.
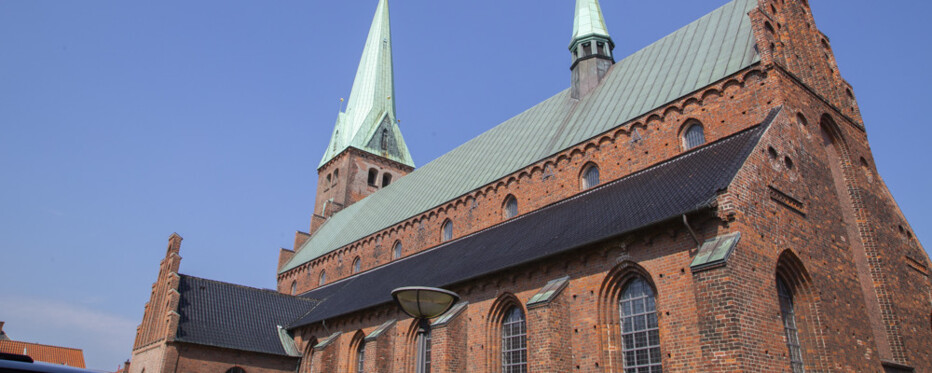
pixel 809 202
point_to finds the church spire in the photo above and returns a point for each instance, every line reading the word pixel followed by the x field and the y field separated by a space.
pixel 369 122
pixel 591 47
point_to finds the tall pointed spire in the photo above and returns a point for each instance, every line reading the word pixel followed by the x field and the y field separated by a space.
pixel 591 48
pixel 369 122
pixel 588 22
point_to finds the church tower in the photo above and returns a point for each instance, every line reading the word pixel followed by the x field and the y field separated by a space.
pixel 591 48
pixel 366 151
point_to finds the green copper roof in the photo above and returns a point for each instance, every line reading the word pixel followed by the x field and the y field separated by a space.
pixel 369 122
pixel 588 22
pixel 717 45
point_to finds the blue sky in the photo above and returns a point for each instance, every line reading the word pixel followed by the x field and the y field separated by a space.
pixel 122 122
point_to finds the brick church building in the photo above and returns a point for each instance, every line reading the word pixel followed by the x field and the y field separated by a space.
pixel 708 203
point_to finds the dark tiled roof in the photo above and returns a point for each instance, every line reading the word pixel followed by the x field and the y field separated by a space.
pixel 71 357
pixel 232 316
pixel 681 185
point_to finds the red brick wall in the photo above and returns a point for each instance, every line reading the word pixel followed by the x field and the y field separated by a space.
pixel 196 359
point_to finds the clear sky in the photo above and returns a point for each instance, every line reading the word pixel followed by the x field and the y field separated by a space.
pixel 124 121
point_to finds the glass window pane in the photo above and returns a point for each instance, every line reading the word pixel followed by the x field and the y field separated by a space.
pixel 640 333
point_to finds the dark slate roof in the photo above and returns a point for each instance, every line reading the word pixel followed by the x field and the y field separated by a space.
pixel 684 184
pixel 233 316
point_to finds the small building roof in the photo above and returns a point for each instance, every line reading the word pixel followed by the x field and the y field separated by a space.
pixel 685 184
pixel 221 314
pixel 709 49
pixel 71 357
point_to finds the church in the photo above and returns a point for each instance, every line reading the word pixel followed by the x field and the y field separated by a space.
pixel 708 203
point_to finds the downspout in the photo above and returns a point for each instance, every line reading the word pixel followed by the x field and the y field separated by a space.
pixel 691 232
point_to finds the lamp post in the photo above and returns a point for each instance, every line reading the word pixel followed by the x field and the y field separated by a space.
pixel 423 303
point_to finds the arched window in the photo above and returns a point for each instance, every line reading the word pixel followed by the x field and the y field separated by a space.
pixel 640 335
pixel 328 180
pixel 384 142
pixel 336 176
pixel 423 352
pixel 446 231
pixel 396 250
pixel 356 264
pixel 361 357
pixel 788 316
pixel 511 207
pixel 373 176
pixel 693 136
pixel 590 176
pixel 386 179
pixel 323 278
pixel 236 370
pixel 514 341
pixel 294 287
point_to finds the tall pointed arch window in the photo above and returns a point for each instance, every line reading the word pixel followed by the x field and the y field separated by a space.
pixel 322 279
pixel 336 176
pixel 693 136
pixel 356 264
pixel 590 176
pixel 294 287
pixel 788 316
pixel 510 208
pixel 514 341
pixel 446 231
pixel 396 250
pixel 361 357
pixel 640 334
pixel 423 352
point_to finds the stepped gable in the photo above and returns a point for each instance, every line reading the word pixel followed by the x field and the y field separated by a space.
pixel 225 315
pixel 684 184
pixel 707 50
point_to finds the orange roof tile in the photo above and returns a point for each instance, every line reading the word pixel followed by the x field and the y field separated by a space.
pixel 72 357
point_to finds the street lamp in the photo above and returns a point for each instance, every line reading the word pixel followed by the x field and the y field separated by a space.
pixel 423 304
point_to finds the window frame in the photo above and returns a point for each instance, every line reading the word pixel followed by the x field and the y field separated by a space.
pixel 446 231
pixel 687 129
pixel 510 336
pixel 507 211
pixel 585 177
pixel 397 250
pixel 790 326
pixel 631 349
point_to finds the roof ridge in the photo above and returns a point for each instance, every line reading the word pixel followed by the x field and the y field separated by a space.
pixel 274 292
pixel 42 344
